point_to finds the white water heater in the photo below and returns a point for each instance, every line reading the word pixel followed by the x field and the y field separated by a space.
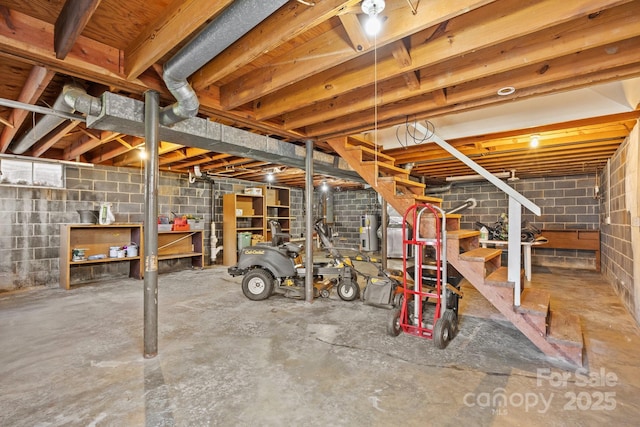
pixel 368 233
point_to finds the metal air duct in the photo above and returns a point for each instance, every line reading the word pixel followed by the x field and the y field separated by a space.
pixel 234 22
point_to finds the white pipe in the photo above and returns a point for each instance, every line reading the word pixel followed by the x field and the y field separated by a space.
pixel 214 241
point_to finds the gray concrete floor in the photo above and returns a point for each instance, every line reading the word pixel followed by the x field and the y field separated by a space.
pixel 74 358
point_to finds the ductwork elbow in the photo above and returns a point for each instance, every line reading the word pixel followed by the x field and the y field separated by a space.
pixel 187 105
pixel 234 22
pixel 78 99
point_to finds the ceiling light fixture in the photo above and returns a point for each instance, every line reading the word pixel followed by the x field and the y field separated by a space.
pixel 142 153
pixel 535 140
pixel 324 186
pixel 507 90
pixel 372 8
pixel 270 177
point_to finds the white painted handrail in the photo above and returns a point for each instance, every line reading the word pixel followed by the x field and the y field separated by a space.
pixel 516 201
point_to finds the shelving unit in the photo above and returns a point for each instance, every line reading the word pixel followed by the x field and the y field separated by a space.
pixel 96 240
pixel 242 213
pixel 182 244
pixel 277 204
pixel 251 214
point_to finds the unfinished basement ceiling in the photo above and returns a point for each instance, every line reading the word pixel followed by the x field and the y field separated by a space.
pixel 311 73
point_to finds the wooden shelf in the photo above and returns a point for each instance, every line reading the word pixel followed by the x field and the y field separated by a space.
pixel 102 260
pixel 272 204
pixel 182 244
pixel 96 240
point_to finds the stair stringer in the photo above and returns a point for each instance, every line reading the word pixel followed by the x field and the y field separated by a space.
pixel 502 298
pixel 370 172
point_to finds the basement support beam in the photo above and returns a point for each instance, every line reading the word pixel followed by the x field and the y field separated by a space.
pixel 125 115
pixel 152 124
pixel 308 237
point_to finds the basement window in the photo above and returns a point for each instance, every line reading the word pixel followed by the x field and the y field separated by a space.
pixel 27 173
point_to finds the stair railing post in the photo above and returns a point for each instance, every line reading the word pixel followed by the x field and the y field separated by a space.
pixel 514 248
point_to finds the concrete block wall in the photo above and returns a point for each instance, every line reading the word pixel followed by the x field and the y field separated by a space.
pixel 566 203
pixel 620 213
pixel 349 206
pixel 30 219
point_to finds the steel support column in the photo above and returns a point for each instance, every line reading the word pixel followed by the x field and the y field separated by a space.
pixel 308 253
pixel 152 124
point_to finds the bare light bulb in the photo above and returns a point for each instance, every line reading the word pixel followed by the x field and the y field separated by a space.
pixel 535 140
pixel 372 26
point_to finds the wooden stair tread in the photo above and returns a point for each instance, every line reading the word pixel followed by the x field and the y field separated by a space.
pixel 534 301
pixel 481 254
pixel 499 278
pixel 461 234
pixel 421 199
pixel 402 181
pixel 565 328
pixel 371 153
pixel 387 168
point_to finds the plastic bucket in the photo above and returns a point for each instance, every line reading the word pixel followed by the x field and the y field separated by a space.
pixel 88 216
pixel 132 250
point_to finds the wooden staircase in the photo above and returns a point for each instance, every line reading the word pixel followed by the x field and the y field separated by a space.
pixel 556 334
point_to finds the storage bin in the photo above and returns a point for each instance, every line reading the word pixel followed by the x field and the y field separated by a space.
pixel 244 240
pixel 195 224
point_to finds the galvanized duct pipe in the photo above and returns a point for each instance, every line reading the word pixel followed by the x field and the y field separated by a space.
pixel 49 122
pixel 234 22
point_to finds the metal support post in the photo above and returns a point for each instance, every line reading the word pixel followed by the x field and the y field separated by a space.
pixel 308 243
pixel 152 121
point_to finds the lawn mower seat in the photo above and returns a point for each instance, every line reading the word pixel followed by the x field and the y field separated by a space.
pixel 278 237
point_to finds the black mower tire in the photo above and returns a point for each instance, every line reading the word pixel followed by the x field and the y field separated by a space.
pixel 257 285
pixel 348 290
pixel 393 324
pixel 441 332
pixel 453 322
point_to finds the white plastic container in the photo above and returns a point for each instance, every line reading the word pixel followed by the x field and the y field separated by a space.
pixel 132 250
pixel 113 251
pixel 484 233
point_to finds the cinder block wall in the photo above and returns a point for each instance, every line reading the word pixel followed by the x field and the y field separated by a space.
pixel 620 213
pixel 30 219
pixel 565 202
pixel 349 206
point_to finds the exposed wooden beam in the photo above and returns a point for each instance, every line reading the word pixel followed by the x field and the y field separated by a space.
pixel 87 143
pixel 265 82
pixel 179 20
pixel 481 93
pixel 73 18
pixel 47 142
pixel 355 32
pixel 289 21
pixel 34 86
pixel 551 43
pixel 472 31
pixel 107 154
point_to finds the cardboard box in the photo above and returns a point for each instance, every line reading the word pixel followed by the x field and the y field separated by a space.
pixel 253 191
pixel 272 197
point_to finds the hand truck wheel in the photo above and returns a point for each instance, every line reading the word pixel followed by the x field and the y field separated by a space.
pixel 441 332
